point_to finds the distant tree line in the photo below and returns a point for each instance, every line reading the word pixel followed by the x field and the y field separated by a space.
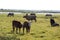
pixel 29 11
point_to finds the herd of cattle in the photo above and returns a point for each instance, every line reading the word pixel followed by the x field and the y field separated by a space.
pixel 18 25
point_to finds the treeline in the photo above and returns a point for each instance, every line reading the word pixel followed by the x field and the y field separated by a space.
pixel 10 10
pixel 29 11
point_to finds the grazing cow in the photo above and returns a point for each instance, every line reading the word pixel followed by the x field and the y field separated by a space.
pixel 30 17
pixel 17 25
pixel 53 23
pixel 26 25
pixel 10 14
pixel 48 14
pixel 32 14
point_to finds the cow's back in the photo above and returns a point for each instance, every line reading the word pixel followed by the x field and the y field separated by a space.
pixel 25 24
pixel 16 24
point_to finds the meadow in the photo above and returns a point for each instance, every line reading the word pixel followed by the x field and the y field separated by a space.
pixel 40 30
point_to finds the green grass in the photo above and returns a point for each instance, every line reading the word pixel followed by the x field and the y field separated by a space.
pixel 41 30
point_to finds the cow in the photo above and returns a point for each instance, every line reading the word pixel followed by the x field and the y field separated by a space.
pixel 53 23
pixel 48 15
pixel 30 17
pixel 16 25
pixel 10 14
pixel 32 14
pixel 27 25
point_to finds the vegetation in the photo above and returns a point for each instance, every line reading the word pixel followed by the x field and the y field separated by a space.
pixel 41 30
pixel 30 11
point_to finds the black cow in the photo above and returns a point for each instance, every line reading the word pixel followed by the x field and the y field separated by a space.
pixel 48 14
pixel 17 25
pixel 53 23
pixel 10 14
pixel 32 14
pixel 30 17
pixel 27 26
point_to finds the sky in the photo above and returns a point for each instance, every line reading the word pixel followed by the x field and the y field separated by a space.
pixel 30 4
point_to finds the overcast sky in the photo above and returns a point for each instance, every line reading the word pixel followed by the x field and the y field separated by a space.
pixel 30 4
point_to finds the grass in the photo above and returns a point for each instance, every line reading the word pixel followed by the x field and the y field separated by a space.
pixel 41 30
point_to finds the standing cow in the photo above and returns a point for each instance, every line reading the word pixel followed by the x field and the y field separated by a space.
pixel 17 25
pixel 10 14
pixel 27 25
pixel 30 17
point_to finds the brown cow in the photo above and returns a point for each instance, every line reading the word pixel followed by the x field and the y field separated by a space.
pixel 26 25
pixel 17 25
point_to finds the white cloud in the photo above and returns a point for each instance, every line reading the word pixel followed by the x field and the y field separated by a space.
pixel 31 4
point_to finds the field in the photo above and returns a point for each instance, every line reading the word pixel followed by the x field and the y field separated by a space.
pixel 40 30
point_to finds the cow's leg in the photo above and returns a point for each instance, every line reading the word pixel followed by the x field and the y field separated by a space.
pixel 27 29
pixel 13 28
pixel 16 30
pixel 31 20
pixel 23 29
pixel 35 20
pixel 19 30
